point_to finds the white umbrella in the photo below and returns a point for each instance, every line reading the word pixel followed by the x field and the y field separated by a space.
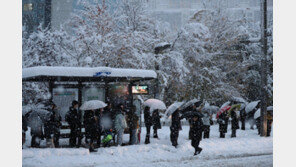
pixel 251 106
pixel 93 105
pixel 154 104
pixel 270 108
pixel 225 104
pixel 257 114
pixel 172 108
pixel 189 103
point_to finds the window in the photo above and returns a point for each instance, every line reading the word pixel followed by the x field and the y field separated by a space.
pixel 28 7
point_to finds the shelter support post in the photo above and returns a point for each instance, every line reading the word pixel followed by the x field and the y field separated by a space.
pixel 130 94
pixel 50 87
pixel 80 92
pixel 107 98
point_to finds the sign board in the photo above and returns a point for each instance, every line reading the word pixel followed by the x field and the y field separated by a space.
pixel 140 89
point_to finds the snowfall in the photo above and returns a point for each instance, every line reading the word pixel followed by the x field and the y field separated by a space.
pixel 247 149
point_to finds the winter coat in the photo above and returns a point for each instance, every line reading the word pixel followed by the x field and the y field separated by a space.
pixel 36 124
pixel 147 118
pixel 156 119
pixel 73 117
pixel 234 120
pixel 90 124
pixel 206 119
pixel 24 124
pixel 176 121
pixel 120 123
pixel 243 114
pixel 223 121
pixel 132 121
pixel 196 129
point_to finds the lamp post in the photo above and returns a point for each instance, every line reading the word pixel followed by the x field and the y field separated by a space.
pixel 263 91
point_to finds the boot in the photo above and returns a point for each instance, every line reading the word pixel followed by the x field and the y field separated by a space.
pixel 147 140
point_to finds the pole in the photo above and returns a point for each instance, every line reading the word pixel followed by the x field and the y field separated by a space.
pixel 263 68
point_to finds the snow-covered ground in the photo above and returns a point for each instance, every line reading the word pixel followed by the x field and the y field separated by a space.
pixel 248 149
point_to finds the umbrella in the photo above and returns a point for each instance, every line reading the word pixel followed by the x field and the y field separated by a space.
pixel 225 104
pixel 257 114
pixel 185 107
pixel 93 105
pixel 222 110
pixel 210 109
pixel 172 108
pixel 154 104
pixel 191 114
pixel 270 108
pixel 251 106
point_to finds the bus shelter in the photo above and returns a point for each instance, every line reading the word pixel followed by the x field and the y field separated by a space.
pixel 114 85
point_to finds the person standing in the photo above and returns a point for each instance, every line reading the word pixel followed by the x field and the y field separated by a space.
pixel 234 121
pixel 90 125
pixel 243 116
pixel 52 126
pixel 73 117
pixel 196 130
pixel 132 121
pixel 120 124
pixel 24 129
pixel 269 121
pixel 223 121
pixel 206 121
pixel 175 127
pixel 36 126
pixel 148 124
pixel 156 123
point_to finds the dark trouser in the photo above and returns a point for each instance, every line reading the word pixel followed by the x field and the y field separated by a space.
pixel 189 135
pixel 75 138
pixel 195 144
pixel 233 133
pixel 258 125
pixel 99 134
pixel 269 123
pixel 35 143
pixel 174 136
pixel 206 131
pixel 155 131
pixel 147 139
pixel 56 138
pixel 243 124
pixel 222 135
pixel 223 130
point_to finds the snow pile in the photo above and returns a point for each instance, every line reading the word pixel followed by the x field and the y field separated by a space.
pixel 248 145
pixel 86 72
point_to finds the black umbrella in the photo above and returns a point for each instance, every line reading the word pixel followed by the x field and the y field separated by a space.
pixel 191 114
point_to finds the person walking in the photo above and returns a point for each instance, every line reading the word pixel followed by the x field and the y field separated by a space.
pixel 120 124
pixel 156 123
pixel 148 124
pixel 73 117
pixel 175 127
pixel 196 130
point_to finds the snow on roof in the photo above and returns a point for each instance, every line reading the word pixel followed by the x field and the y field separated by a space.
pixel 86 72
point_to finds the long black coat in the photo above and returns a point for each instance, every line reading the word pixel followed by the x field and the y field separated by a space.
pixel 156 119
pixel 147 118
pixel 52 123
pixel 223 121
pixel 176 121
pixel 234 120
pixel 196 129
pixel 91 124
pixel 73 117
